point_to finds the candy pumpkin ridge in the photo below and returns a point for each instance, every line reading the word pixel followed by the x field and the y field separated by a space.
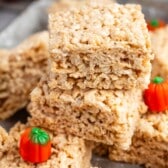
pixel 39 136
pixel 158 80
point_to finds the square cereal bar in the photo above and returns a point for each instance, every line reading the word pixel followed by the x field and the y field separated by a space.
pixel 160 48
pixel 99 115
pixel 20 70
pixel 100 46
pixel 150 143
pixel 67 151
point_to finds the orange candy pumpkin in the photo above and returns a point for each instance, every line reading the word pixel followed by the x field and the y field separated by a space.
pixel 156 96
pixel 35 145
pixel 155 24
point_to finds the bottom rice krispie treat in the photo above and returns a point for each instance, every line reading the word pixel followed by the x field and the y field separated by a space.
pixel 160 48
pixel 66 151
pixel 98 115
pixel 150 143
pixel 20 71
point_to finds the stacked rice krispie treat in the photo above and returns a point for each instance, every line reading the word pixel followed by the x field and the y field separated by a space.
pixel 91 114
pixel 160 48
pixel 20 70
pixel 66 151
pixel 99 65
pixel 98 47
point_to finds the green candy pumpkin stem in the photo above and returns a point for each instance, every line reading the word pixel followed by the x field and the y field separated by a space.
pixel 39 136
pixel 154 23
pixel 158 80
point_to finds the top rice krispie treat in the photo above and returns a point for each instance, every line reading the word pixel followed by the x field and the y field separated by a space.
pixel 99 45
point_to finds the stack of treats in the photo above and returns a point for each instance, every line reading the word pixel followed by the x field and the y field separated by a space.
pixel 99 65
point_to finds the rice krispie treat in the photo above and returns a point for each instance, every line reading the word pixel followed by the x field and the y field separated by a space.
pixel 100 46
pixel 66 151
pixel 149 146
pixel 160 48
pixel 99 115
pixel 20 70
